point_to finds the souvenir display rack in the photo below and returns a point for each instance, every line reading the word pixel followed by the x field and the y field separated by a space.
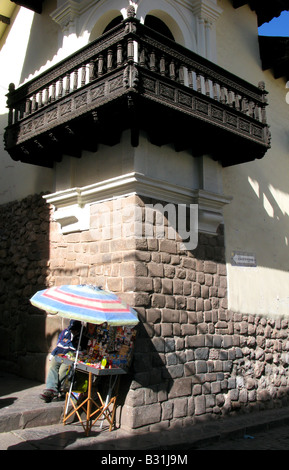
pixel 109 353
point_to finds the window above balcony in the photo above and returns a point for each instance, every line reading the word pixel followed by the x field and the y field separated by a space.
pixel 133 77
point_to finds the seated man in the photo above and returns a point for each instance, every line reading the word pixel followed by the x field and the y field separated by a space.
pixel 67 341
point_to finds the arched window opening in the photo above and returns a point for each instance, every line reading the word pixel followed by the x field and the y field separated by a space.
pixel 158 25
pixel 116 21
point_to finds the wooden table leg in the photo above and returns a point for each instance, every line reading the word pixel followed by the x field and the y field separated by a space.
pixel 104 410
pixel 88 401
pixel 101 411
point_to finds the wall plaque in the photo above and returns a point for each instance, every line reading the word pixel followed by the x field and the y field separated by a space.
pixel 244 259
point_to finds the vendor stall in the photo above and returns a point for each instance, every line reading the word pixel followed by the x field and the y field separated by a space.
pixel 111 334
pixel 109 353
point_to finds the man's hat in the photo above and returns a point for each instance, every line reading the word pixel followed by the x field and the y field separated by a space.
pixel 74 325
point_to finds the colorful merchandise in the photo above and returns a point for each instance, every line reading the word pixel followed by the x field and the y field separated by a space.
pixel 108 347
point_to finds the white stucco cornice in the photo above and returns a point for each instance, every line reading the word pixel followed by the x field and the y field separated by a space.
pixel 69 11
pixel 71 206
pixel 206 13
pixel 207 10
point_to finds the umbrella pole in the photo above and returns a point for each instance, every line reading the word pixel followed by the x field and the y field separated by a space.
pixel 74 367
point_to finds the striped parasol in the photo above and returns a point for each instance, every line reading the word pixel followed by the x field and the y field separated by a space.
pixel 85 303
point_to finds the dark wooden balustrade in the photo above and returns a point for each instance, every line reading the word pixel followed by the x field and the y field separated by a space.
pixel 134 78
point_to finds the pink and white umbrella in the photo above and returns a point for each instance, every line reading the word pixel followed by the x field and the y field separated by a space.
pixel 85 303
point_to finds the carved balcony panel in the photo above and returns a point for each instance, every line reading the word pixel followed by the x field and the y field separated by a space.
pixel 134 78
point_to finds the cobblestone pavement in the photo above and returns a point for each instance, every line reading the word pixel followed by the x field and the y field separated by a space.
pixel 276 438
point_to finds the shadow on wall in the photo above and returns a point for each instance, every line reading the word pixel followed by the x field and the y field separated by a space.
pixel 24 260
pixel 257 219
pixel 193 357
pixel 43 41
pixel 167 288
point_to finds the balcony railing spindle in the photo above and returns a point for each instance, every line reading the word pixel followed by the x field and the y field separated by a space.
pixel 163 66
pixel 83 75
pixel 119 55
pixel 67 88
pixel 109 60
pixel 181 75
pixel 100 65
pixel 172 71
pixel 153 61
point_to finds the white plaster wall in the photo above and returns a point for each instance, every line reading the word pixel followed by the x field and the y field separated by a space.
pixel 43 40
pixel 162 163
pixel 17 180
pixel 107 162
pixel 180 20
pixel 257 220
pixel 191 22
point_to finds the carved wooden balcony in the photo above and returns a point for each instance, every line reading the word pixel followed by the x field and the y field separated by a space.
pixel 134 78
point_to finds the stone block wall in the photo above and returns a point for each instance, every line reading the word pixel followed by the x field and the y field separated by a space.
pixel 25 335
pixel 194 359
